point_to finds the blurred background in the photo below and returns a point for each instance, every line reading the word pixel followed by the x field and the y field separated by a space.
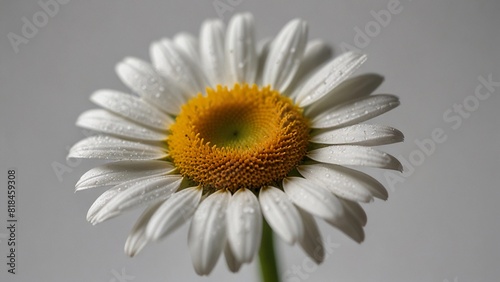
pixel 440 57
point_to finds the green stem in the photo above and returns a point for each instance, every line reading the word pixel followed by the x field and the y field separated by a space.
pixel 267 258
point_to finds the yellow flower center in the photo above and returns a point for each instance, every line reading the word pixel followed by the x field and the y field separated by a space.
pixel 241 137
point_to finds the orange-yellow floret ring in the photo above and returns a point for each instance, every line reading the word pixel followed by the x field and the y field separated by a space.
pixel 240 137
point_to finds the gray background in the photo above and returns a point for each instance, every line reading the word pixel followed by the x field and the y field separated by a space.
pixel 439 224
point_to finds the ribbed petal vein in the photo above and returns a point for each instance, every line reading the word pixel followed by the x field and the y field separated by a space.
pixel 356 111
pixel 359 134
pixel 312 198
pixel 137 239
pixel 285 55
pixel 177 67
pixel 212 51
pixel 132 108
pixel 207 234
pixel 355 155
pixel 117 172
pixel 137 192
pixel 312 242
pixel 241 56
pixel 329 77
pixel 152 87
pixel 174 212
pixel 111 148
pixel 109 123
pixel 244 225
pixel 346 183
pixel 281 214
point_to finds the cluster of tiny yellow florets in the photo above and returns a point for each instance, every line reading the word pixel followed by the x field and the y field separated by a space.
pixel 240 137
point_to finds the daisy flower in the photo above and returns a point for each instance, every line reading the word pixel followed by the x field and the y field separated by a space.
pixel 237 136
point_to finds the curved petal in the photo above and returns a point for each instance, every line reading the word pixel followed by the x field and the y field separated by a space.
pixel 232 262
pixel 188 44
pixel 352 88
pixel 137 239
pixel 244 225
pixel 341 185
pixel 350 226
pixel 329 77
pixel 106 122
pixel 263 46
pixel 207 233
pixel 360 134
pixel 355 210
pixel 312 242
pixel 346 183
pixel 177 67
pixel 110 148
pixel 316 53
pixel 285 55
pixel 356 111
pixel 121 171
pixel 355 155
pixel 100 202
pixel 136 192
pixel 174 212
pixel 281 214
pixel 152 87
pixel 241 56
pixel 212 51
pixel 312 198
pixel 131 108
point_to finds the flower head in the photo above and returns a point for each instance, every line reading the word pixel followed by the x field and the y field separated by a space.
pixel 224 133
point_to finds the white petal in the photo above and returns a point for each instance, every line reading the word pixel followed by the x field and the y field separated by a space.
pixel 355 210
pixel 262 51
pixel 355 155
pixel 360 134
pixel 281 214
pixel 329 77
pixel 355 111
pixel 100 202
pixel 188 44
pixel 106 122
pixel 110 148
pixel 152 87
pixel 350 226
pixel 177 67
pixel 121 171
pixel 137 239
pixel 241 57
pixel 132 108
pixel 212 51
pixel 207 233
pixel 174 212
pixel 232 262
pixel 346 183
pixel 285 55
pixel 352 88
pixel 137 192
pixel 316 53
pixel 312 242
pixel 312 198
pixel 244 225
